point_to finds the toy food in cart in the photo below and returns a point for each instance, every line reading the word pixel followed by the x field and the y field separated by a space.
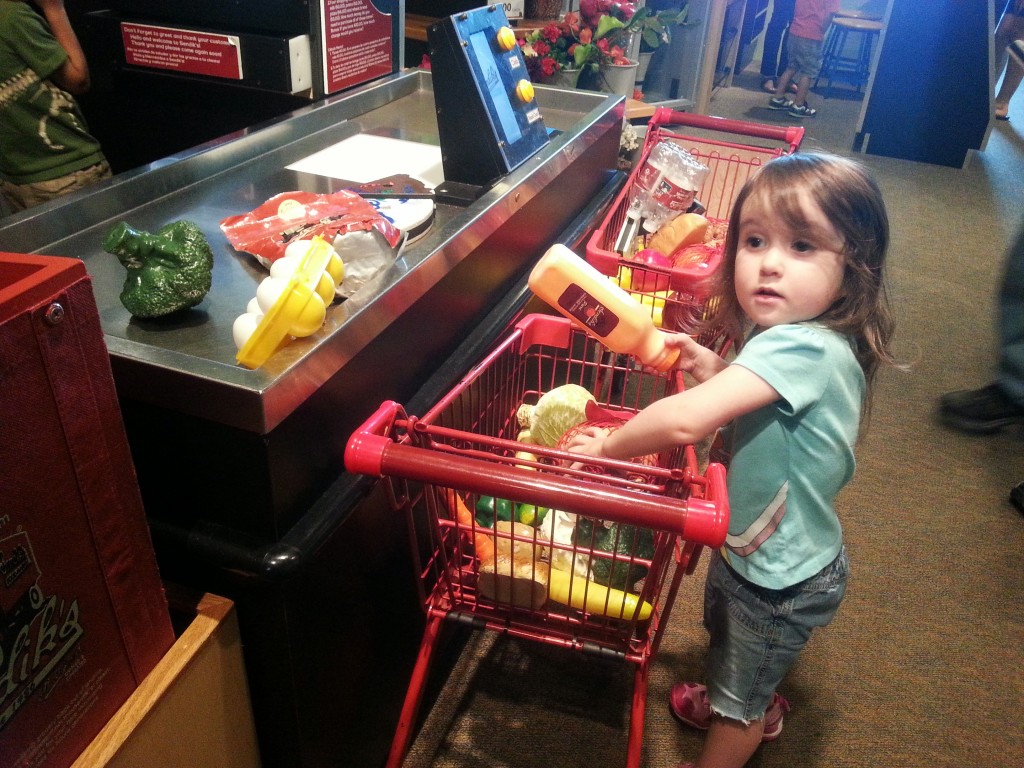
pixel 527 458
pixel 648 280
pixel 360 234
pixel 685 229
pixel 665 186
pixel 625 542
pixel 513 570
pixel 490 509
pixel 517 574
pixel 526 554
pixel 602 309
pixel 520 575
pixel 291 301
pixel 696 249
pixel 556 411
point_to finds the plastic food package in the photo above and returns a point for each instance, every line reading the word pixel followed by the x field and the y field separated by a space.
pixel 363 237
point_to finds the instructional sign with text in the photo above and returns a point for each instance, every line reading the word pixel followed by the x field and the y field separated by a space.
pixel 182 50
pixel 357 43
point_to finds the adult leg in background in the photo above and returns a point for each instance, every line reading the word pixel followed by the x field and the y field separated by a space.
pixel 773 58
pixel 1001 403
pixel 1010 28
pixel 1011 324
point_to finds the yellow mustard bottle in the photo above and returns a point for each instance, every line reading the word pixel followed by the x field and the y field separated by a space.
pixel 599 307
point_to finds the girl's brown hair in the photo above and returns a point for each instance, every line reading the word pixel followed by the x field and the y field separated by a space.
pixel 852 202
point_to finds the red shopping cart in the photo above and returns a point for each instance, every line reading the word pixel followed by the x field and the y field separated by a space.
pixel 684 296
pixel 600 565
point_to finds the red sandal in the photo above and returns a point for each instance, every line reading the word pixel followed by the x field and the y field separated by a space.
pixel 690 705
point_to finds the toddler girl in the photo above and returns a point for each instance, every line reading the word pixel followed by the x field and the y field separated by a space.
pixel 803 265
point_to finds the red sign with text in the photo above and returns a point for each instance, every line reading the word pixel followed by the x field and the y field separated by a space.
pixel 357 43
pixel 182 50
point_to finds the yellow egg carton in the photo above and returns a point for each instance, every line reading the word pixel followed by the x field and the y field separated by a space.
pixel 292 302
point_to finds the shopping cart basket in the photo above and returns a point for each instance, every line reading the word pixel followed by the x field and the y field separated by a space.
pixel 683 296
pixel 642 526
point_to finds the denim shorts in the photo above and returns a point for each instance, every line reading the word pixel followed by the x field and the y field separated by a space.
pixel 805 56
pixel 757 633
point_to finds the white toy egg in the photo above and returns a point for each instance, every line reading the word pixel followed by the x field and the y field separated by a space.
pixel 269 291
pixel 244 326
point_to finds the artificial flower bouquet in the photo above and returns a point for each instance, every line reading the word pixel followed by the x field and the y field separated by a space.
pixel 598 36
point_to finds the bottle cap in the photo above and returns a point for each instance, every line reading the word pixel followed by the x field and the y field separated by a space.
pixel 665 360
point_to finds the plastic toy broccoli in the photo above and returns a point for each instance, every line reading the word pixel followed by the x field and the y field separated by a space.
pixel 167 272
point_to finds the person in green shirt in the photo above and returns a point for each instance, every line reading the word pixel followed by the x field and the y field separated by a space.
pixel 46 149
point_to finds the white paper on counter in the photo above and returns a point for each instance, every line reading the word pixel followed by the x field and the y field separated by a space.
pixel 365 158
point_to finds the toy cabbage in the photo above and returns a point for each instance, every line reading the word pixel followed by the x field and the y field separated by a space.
pixel 556 412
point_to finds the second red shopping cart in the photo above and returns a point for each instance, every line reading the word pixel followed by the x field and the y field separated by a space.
pixel 726 148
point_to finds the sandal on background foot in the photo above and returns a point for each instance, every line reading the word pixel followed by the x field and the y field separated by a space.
pixel 768 85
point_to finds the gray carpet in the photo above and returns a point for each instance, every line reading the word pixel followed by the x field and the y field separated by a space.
pixel 923 665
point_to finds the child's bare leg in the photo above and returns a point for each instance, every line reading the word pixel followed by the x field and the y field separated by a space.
pixel 730 743
pixel 783 84
pixel 803 85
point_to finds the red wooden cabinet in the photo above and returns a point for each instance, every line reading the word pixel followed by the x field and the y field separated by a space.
pixel 83 617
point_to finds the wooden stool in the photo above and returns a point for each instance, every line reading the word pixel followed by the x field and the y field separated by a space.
pixel 864 15
pixel 836 63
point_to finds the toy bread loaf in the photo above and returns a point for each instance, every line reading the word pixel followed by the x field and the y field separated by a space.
pixel 685 229
pixel 516 574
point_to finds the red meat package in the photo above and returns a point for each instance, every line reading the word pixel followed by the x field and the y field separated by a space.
pixel 266 231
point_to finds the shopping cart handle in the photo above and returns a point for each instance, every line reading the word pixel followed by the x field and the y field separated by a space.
pixel 708 518
pixel 364 452
pixel 704 521
pixel 792 135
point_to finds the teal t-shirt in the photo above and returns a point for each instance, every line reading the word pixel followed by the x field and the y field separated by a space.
pixel 43 134
pixel 791 458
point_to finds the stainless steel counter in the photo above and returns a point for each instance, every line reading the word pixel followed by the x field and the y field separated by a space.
pixel 184 367
pixel 236 175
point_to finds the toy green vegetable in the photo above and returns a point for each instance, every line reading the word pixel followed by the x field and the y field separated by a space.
pixel 531 514
pixel 489 509
pixel 167 272
pixel 627 541
pixel 556 411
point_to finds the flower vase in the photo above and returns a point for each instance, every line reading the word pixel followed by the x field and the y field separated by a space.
pixel 563 78
pixel 619 78
pixel 644 61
